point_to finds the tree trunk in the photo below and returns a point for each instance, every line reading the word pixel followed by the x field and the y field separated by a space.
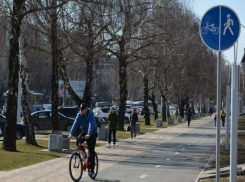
pixel 89 81
pixel 55 85
pixel 164 116
pixel 146 96
pixel 192 108
pixel 30 135
pixel 89 65
pixel 123 92
pixel 9 141
pixel 182 105
pixel 154 105
pixel 67 85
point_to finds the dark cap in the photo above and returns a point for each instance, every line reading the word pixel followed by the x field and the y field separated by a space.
pixel 83 106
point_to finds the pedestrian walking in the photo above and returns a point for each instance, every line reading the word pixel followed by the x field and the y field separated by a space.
pixel 188 114
pixel 113 122
pixel 223 116
pixel 133 120
pixel 215 120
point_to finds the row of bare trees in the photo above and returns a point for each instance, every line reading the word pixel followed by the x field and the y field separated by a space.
pixel 155 42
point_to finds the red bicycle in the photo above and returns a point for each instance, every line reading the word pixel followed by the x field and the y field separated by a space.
pixel 79 162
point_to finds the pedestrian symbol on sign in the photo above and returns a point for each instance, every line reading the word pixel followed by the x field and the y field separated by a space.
pixel 228 25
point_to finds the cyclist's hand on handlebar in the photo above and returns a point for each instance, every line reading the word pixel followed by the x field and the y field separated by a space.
pixel 87 136
pixel 69 137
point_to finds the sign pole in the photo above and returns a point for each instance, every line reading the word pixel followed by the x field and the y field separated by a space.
pixel 228 107
pixel 234 120
pixel 219 30
pixel 218 117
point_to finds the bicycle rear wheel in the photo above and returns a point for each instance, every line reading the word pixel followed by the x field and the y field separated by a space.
pixel 76 167
pixel 96 166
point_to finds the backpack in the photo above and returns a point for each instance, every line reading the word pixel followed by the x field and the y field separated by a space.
pixel 223 115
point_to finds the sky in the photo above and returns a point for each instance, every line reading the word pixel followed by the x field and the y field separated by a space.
pixel 200 7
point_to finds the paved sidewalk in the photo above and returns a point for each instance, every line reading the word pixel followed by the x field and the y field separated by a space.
pixel 57 169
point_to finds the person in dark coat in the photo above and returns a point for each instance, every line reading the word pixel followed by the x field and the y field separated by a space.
pixel 188 114
pixel 113 122
pixel 223 116
pixel 133 120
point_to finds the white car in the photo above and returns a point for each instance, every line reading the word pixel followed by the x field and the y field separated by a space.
pixel 103 112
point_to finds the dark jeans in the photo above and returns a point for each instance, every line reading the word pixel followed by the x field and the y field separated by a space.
pixel 223 122
pixel 189 121
pixel 91 146
pixel 133 129
pixel 114 136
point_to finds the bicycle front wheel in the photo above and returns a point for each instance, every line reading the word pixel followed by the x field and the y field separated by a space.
pixel 96 166
pixel 76 167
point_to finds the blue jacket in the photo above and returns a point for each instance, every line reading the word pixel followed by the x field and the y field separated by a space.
pixel 86 122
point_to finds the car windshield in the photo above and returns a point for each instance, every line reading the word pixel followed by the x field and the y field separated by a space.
pixel 106 110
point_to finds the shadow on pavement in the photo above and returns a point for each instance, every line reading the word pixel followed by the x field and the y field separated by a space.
pixel 106 180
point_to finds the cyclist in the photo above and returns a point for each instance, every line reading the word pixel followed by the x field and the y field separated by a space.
pixel 86 120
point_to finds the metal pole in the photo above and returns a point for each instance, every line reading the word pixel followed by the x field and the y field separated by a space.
pixel 218 117
pixel 228 105
pixel 234 119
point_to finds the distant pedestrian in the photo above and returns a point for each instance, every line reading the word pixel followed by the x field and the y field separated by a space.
pixel 133 120
pixel 113 122
pixel 223 116
pixel 188 114
pixel 142 111
pixel 215 120
pixel 211 111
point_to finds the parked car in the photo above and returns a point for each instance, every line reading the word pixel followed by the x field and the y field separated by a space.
pixel 104 112
pixel 20 130
pixel 129 102
pixel 47 106
pixel 129 109
pixel 70 112
pixel 159 108
pixel 103 104
pixel 42 120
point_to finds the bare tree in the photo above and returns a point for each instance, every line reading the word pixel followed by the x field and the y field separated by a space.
pixel 125 19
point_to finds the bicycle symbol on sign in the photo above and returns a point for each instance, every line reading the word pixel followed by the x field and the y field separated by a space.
pixel 210 27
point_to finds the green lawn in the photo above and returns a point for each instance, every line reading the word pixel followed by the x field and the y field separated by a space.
pixel 26 155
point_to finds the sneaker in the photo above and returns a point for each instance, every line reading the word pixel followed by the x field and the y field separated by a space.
pixel 91 173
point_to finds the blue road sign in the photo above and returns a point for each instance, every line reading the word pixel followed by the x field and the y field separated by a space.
pixel 220 28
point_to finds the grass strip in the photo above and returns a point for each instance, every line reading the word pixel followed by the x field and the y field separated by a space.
pixel 225 155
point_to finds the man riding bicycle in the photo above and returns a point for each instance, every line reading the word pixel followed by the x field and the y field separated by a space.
pixel 85 118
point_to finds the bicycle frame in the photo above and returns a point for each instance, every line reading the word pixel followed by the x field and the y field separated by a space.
pixel 85 158
pixel 210 27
